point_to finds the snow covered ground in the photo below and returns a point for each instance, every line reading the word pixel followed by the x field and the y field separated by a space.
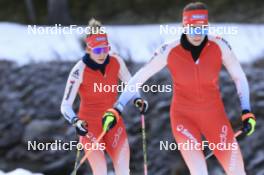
pixel 137 42
pixel 19 171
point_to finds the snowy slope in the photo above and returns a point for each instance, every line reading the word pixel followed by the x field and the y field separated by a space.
pixel 137 42
pixel 19 171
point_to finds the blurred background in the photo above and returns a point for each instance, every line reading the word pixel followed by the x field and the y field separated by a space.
pixel 34 69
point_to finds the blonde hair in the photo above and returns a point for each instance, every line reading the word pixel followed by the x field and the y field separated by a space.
pixel 94 26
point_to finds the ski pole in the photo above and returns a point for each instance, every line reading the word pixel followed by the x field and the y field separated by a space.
pixel 144 144
pixel 76 160
pixel 87 154
pixel 238 133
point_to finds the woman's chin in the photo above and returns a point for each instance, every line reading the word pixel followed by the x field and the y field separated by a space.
pixel 196 43
pixel 100 61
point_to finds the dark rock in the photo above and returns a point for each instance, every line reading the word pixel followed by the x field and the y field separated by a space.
pixel 30 99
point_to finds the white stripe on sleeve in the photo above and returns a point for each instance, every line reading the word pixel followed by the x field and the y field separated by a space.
pixel 234 68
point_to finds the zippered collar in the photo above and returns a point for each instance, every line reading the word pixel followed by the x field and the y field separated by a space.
pixel 195 50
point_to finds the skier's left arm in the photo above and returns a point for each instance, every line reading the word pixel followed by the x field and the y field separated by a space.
pixel 125 76
pixel 236 72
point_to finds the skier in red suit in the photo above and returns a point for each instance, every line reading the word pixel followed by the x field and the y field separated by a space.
pixel 97 67
pixel 194 62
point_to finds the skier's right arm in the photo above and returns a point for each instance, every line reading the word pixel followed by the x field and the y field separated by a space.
pixel 72 87
pixel 157 62
pixel 71 91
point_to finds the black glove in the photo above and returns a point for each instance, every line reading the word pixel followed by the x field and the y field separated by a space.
pixel 141 104
pixel 80 126
pixel 249 122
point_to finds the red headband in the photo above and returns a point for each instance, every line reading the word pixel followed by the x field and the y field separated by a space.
pixel 96 40
pixel 195 17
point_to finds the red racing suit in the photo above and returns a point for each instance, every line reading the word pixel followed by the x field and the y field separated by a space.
pixel 197 108
pixel 93 103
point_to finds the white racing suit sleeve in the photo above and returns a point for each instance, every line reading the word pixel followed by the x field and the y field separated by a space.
pixel 71 90
pixel 158 62
pixel 237 74
pixel 124 75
